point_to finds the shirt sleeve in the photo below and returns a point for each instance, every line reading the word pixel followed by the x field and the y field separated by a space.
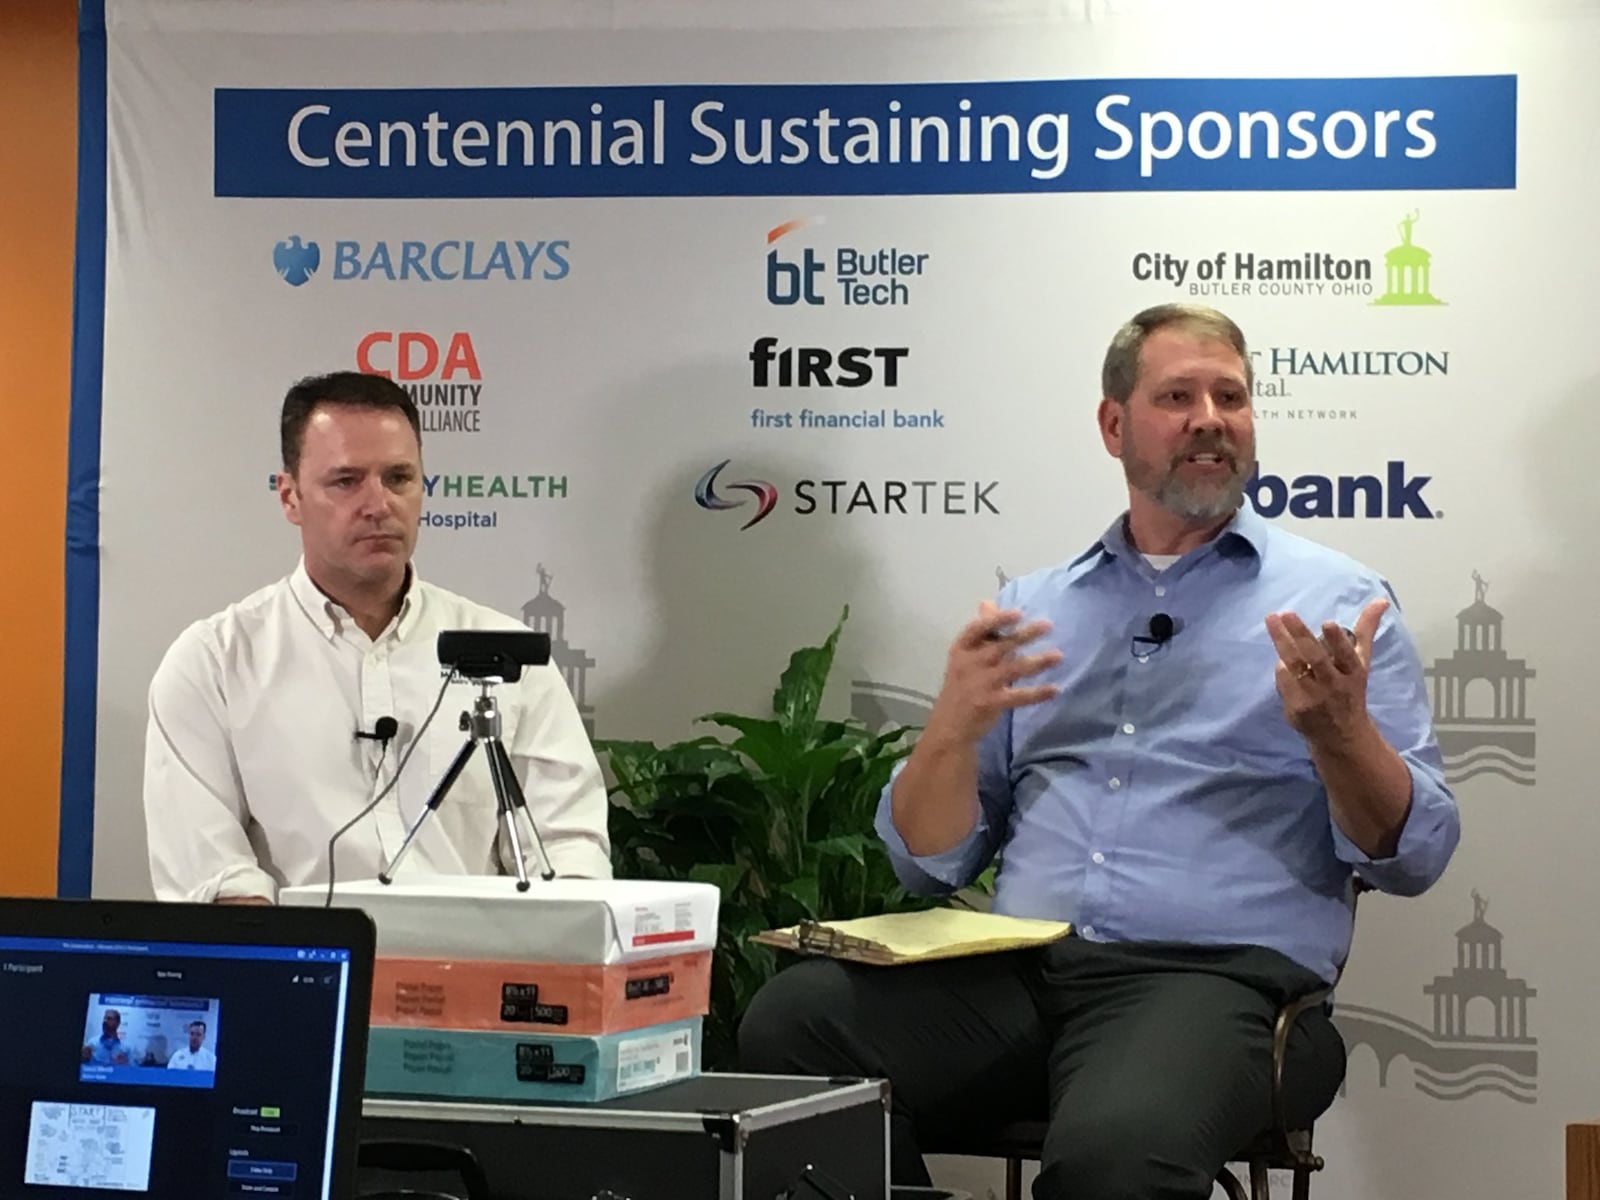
pixel 194 803
pixel 560 778
pixel 1397 699
pixel 953 869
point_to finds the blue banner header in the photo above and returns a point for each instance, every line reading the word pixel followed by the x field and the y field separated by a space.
pixel 1073 135
pixel 32 945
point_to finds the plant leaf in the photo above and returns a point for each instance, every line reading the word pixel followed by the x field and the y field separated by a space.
pixel 799 692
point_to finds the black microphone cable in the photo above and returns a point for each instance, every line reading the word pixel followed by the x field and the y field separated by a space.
pixel 393 779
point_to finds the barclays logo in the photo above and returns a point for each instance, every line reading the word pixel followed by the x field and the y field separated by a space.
pixel 296 261
pixel 451 260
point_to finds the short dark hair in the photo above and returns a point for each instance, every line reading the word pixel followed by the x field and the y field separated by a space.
pixel 202 1025
pixel 354 389
pixel 1119 374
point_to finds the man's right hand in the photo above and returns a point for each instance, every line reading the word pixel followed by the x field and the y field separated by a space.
pixel 934 802
pixel 982 670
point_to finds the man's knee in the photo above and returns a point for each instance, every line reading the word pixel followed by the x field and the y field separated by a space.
pixel 790 1023
pixel 1123 1156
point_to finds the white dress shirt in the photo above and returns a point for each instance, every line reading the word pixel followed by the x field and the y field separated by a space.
pixel 251 759
pixel 193 1060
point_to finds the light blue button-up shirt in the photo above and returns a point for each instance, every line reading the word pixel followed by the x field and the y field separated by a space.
pixel 1162 795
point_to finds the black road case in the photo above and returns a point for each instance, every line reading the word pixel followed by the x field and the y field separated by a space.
pixel 722 1136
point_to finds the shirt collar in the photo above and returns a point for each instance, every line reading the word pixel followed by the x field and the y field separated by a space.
pixel 332 618
pixel 1245 532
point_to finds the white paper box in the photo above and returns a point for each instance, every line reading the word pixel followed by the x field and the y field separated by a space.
pixel 600 921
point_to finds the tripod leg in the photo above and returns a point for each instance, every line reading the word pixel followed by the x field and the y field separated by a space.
pixel 521 804
pixel 505 786
pixel 457 765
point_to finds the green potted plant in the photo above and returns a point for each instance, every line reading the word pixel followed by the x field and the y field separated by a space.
pixel 778 816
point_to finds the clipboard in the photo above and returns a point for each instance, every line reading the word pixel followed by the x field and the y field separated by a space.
pixel 896 938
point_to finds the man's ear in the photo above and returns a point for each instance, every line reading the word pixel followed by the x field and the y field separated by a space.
pixel 1111 416
pixel 289 497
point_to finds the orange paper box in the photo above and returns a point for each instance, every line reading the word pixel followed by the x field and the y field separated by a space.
pixel 540 997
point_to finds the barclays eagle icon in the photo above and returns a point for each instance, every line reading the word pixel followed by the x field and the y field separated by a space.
pixel 296 261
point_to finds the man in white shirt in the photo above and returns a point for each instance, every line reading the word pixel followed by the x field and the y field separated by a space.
pixel 195 1056
pixel 252 759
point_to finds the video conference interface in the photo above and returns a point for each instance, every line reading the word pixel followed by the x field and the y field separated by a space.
pixel 169 1069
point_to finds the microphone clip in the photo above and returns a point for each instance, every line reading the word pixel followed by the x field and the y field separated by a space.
pixel 383 730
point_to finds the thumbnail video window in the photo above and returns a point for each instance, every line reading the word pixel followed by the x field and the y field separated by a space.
pixel 161 1040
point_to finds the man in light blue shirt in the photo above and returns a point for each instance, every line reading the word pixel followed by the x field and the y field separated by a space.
pixel 107 1050
pixel 1185 740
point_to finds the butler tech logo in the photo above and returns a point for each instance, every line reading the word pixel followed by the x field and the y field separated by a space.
pixel 848 497
pixel 1401 276
pixel 297 261
pixel 803 269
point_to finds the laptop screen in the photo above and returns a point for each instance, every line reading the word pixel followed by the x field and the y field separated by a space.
pixel 168 1068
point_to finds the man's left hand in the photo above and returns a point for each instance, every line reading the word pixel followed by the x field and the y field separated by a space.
pixel 1323 681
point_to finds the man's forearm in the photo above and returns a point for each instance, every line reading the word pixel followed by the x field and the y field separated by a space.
pixel 934 802
pixel 1369 789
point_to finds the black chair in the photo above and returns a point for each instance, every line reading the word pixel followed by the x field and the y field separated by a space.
pixel 422 1158
pixel 1278 1148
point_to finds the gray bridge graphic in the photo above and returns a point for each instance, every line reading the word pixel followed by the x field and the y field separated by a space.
pixel 1452 1061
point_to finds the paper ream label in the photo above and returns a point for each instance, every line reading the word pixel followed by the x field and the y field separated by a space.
pixel 662 924
pixel 659 1058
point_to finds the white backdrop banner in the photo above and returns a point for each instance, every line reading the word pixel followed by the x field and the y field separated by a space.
pixel 722 316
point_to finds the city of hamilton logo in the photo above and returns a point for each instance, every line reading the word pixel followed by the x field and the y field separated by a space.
pixel 1479 1039
pixel 1480 699
pixel 1407 269
pixel 545 614
pixel 296 261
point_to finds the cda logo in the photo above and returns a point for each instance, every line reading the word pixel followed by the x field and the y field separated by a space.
pixel 441 374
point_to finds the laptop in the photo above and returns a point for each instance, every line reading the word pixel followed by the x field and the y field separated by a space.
pixel 180 1051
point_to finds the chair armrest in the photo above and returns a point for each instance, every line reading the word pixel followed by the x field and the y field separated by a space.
pixel 1281 1029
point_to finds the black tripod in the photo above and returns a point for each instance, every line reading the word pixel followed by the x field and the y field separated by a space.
pixel 482 725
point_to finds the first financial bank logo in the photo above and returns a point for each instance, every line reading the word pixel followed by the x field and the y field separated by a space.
pixel 297 260
pixel 851 497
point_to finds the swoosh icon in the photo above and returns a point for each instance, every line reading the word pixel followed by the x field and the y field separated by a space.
pixel 705 494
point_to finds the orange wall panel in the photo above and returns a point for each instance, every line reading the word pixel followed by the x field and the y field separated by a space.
pixel 38 111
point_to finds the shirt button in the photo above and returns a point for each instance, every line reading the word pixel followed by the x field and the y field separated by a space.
pixel 1127 729
pixel 1115 783
pixel 1161 590
pixel 1087 931
pixel 1098 857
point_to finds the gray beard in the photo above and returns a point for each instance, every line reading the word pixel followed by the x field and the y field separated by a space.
pixel 1205 502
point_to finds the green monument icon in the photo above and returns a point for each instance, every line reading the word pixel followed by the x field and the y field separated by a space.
pixel 1407 269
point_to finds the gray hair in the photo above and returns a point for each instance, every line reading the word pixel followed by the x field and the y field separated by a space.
pixel 1120 372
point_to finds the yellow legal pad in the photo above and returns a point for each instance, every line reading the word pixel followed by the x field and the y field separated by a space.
pixel 915 936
